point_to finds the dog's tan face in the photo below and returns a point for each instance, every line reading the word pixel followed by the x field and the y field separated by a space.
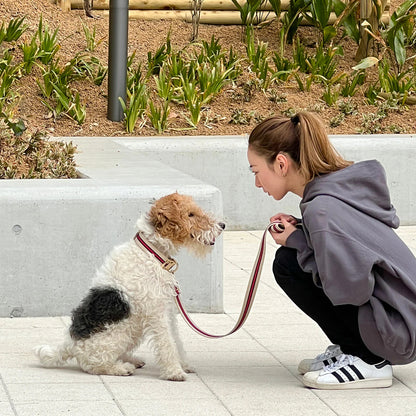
pixel 178 218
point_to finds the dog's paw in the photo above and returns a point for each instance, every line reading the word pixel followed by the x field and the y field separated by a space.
pixel 177 376
pixel 124 369
pixel 137 362
pixel 188 368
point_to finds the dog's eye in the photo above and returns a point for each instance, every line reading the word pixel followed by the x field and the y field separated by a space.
pixel 191 214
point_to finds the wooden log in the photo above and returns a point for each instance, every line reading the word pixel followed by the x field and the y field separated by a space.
pixel 409 100
pixel 180 4
pixel 216 17
pixel 174 5
pixel 65 5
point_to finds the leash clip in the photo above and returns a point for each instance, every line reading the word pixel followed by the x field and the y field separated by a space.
pixel 170 265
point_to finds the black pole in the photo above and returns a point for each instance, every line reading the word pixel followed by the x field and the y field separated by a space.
pixel 117 57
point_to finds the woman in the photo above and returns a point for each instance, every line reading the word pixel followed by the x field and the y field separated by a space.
pixel 342 263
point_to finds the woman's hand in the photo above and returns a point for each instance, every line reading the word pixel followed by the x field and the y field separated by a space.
pixel 280 217
pixel 288 222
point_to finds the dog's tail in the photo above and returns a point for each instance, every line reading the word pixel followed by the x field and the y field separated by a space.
pixel 53 356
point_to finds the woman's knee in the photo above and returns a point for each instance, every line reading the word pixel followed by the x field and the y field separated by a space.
pixel 285 263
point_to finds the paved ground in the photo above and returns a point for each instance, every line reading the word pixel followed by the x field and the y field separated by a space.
pixel 252 372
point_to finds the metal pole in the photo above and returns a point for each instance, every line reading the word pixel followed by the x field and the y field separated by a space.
pixel 117 57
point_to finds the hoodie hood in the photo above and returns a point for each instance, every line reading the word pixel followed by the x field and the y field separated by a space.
pixel 362 185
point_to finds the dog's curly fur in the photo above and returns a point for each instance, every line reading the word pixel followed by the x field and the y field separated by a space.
pixel 132 297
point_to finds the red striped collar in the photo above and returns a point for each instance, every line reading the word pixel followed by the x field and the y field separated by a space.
pixel 167 263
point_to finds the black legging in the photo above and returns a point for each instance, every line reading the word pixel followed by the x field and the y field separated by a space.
pixel 339 323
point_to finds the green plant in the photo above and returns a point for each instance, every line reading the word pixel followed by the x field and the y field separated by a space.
pixel 352 83
pixel 30 54
pixel 134 74
pixel 48 42
pixel 323 62
pixel 347 19
pixel 192 98
pixel 14 30
pixel 330 96
pixel 399 84
pixel 291 21
pixel 320 10
pixel 69 104
pixel 136 106
pixel 347 107
pixel 249 12
pixel 8 75
pixel 284 67
pixel 259 60
pixel 211 79
pixel 158 116
pixel 155 61
pixel 395 32
pixel 304 82
pixel 90 38
pixel 241 117
pixel 336 120
pixel 34 156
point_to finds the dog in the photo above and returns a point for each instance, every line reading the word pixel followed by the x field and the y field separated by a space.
pixel 132 297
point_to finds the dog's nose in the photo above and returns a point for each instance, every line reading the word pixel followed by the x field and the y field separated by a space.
pixel 222 225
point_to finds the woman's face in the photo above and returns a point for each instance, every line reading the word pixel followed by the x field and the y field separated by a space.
pixel 270 178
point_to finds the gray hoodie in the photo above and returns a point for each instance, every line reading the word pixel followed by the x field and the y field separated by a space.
pixel 349 245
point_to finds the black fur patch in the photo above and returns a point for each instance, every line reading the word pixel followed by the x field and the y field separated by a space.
pixel 102 305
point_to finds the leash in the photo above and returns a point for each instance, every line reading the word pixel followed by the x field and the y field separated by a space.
pixel 169 263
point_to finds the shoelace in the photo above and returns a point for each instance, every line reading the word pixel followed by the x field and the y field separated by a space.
pixel 328 352
pixel 343 360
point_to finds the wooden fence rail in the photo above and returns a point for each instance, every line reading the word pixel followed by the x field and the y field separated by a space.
pixel 220 12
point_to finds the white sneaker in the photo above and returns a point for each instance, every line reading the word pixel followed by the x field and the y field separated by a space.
pixel 350 372
pixel 320 361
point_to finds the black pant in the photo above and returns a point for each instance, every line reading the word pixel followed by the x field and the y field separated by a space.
pixel 339 323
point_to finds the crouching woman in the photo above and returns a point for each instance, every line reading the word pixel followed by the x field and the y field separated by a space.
pixel 342 263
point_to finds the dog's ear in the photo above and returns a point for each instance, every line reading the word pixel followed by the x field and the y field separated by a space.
pixel 169 223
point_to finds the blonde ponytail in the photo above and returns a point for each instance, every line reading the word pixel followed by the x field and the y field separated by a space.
pixel 303 138
pixel 317 154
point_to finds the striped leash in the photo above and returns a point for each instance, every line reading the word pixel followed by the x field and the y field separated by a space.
pixel 170 265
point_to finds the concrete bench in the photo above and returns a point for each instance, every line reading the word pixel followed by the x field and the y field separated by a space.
pixel 222 162
pixel 55 233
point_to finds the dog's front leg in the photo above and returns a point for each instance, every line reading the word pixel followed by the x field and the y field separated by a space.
pixel 182 354
pixel 165 349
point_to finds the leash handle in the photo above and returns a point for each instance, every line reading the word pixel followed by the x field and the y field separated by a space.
pixel 250 292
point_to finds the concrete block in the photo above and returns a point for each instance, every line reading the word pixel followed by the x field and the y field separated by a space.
pixel 222 162
pixel 55 233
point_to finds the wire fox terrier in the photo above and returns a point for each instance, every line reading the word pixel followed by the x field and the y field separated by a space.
pixel 132 297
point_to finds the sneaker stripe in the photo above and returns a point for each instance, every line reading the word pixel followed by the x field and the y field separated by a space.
pixel 347 374
pixel 325 362
pixel 356 371
pixel 338 377
pixel 382 364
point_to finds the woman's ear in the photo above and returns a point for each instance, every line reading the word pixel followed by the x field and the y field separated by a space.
pixel 281 164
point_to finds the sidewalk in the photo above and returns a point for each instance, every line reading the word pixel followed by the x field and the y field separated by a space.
pixel 253 372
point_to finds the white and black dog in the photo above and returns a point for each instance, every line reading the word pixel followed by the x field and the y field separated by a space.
pixel 132 297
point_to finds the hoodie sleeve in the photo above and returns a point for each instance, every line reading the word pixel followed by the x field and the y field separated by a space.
pixel 344 267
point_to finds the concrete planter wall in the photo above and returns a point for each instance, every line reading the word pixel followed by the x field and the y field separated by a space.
pixel 222 162
pixel 55 233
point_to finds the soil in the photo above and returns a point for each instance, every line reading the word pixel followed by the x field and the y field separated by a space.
pixel 147 36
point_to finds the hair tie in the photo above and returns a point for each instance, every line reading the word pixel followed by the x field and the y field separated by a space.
pixel 295 119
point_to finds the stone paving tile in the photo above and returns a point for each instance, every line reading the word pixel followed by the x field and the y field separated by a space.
pixel 252 372
pixel 70 408
pixel 52 392
pixel 6 409
pixel 179 406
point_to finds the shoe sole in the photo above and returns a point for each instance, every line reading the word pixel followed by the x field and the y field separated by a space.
pixel 371 383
